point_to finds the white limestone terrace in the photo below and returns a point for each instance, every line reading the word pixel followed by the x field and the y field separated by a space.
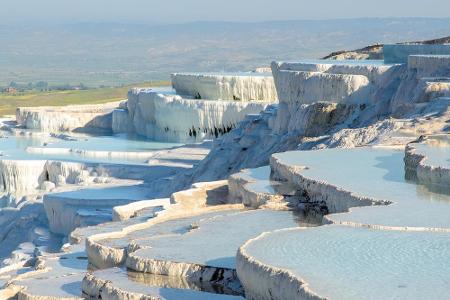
pixel 156 115
pixel 79 235
pixel 138 208
pixel 394 86
pixel 429 65
pixel 427 161
pixel 118 245
pixel 253 188
pixel 32 161
pixel 324 110
pixel 346 81
pixel 109 249
pixel 399 53
pixel 20 177
pixel 369 68
pixel 108 148
pixel 98 187
pixel 383 232
pixel 119 284
pixel 211 104
pixel 170 243
pixel 32 259
pixel 179 253
pixel 56 276
pixel 339 262
pixel 240 86
pixel 353 87
pixel 24 232
pixel 86 189
pixel 64 272
pixel 69 210
pixel 67 118
pixel 429 88
pixel 31 145
pixel 94 279
pixel 59 275
pixel 190 234
pixel 425 80
pixel 377 180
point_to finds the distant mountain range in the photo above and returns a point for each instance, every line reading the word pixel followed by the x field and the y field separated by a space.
pixel 114 54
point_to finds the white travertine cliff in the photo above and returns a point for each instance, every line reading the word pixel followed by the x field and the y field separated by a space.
pixel 429 65
pixel 173 118
pixel 236 87
pixel 67 118
pixel 330 81
pixel 399 53
pixel 331 104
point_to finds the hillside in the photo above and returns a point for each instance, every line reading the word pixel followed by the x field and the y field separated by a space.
pixel 113 54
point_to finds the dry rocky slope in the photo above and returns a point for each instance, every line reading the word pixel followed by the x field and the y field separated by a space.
pixel 376 51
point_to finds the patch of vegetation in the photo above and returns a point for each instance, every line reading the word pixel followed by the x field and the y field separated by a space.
pixel 10 101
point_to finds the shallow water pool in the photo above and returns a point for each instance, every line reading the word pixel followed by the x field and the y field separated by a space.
pixel 80 147
pixel 341 262
pixel 436 149
pixel 376 173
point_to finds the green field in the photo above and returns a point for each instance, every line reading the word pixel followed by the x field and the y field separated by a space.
pixel 9 102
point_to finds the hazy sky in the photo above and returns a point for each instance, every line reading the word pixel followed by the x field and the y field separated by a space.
pixel 176 11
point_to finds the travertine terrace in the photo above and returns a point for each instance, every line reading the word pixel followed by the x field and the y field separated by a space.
pixel 327 180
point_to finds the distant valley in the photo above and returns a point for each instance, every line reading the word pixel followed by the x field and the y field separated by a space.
pixel 113 54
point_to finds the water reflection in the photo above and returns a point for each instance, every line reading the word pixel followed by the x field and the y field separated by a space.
pixel 176 282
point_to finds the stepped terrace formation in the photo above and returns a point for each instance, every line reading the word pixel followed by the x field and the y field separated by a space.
pixel 327 179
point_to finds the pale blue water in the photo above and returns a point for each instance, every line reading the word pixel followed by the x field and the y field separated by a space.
pixel 436 149
pixel 366 62
pixel 176 226
pixel 122 280
pixel 113 143
pixel 125 192
pixel 432 55
pixel 166 90
pixel 354 263
pixel 259 179
pixel 15 147
pixel 377 173
pixel 217 239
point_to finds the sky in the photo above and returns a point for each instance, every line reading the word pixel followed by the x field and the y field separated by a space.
pixel 180 11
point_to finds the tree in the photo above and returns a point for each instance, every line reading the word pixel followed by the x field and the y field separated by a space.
pixel 42 85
